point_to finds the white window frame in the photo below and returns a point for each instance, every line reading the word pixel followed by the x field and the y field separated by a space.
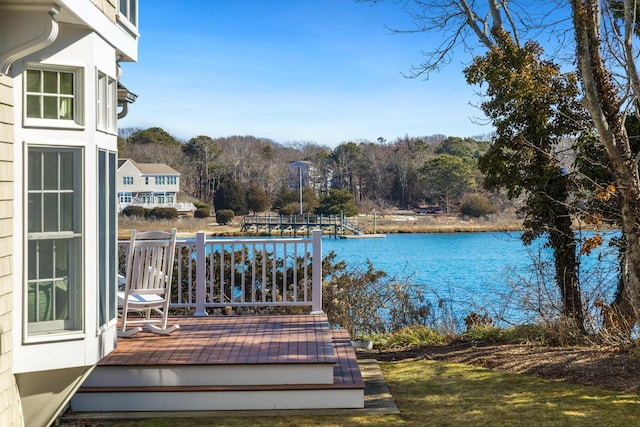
pixel 41 230
pixel 77 121
pixel 127 180
pixel 106 279
pixel 128 12
pixel 125 197
pixel 106 93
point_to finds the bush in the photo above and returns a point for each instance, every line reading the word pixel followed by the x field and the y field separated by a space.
pixel 286 210
pixel 202 213
pixel 199 205
pixel 224 216
pixel 415 335
pixel 133 211
pixel 164 213
pixel 477 205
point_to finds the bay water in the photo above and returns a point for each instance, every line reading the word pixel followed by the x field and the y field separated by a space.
pixel 483 272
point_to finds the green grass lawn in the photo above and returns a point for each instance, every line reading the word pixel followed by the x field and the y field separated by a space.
pixel 430 393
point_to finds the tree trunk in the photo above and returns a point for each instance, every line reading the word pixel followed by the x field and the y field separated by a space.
pixel 603 104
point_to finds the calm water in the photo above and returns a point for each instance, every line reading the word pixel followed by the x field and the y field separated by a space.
pixel 472 270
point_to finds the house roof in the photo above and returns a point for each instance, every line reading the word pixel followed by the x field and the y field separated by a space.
pixel 150 168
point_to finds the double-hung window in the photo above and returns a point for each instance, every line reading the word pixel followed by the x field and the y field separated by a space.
pixel 107 243
pixel 54 241
pixel 106 103
pixel 52 94
pixel 127 180
pixel 128 13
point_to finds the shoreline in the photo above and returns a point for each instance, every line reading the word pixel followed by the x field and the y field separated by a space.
pixel 387 224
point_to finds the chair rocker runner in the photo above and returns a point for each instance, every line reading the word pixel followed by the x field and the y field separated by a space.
pixel 147 285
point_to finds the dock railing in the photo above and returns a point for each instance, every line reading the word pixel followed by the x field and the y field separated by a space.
pixel 246 272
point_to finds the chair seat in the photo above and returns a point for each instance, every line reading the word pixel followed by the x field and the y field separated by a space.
pixel 140 299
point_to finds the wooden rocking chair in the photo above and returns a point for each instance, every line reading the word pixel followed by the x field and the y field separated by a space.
pixel 147 285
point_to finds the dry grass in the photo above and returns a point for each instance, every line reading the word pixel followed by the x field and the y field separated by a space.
pixel 433 393
pixel 400 222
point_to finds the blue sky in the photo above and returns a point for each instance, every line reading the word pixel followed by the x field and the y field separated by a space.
pixel 325 71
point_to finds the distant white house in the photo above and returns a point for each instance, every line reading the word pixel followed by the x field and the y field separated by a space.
pixel 148 185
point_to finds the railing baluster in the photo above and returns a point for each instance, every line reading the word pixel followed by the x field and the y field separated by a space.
pixel 253 273
pixel 222 287
pixel 316 272
pixel 201 260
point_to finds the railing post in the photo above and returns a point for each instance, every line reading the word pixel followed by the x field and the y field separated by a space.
pixel 316 273
pixel 201 263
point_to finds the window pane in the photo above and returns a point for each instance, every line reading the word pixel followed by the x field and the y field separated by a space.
pixel 35 170
pixel 33 81
pixel 33 267
pixel 66 212
pixel 50 79
pixel 45 259
pixel 66 83
pixel 133 12
pixel 62 299
pixel 45 301
pixel 50 170
pixel 113 245
pixel 62 257
pixel 51 208
pixel 50 107
pixel 33 106
pixel 35 213
pixel 32 301
pixel 66 108
pixel 123 7
pixel 66 171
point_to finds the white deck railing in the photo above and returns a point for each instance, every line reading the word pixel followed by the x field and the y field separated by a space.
pixel 272 272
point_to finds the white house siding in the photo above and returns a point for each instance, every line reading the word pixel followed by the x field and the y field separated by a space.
pixel 108 7
pixel 10 413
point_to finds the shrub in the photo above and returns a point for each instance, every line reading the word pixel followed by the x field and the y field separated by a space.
pixel 477 205
pixel 133 211
pixel 202 213
pixel 164 213
pixel 224 216
pixel 415 335
pixel 199 205
pixel 286 210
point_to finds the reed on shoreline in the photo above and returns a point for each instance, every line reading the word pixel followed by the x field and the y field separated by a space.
pixel 388 224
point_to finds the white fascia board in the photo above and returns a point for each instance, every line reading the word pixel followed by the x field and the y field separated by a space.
pixel 122 41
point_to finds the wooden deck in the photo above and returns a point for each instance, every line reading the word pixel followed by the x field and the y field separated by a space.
pixel 277 361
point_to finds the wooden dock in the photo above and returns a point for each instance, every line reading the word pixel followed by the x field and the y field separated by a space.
pixel 303 225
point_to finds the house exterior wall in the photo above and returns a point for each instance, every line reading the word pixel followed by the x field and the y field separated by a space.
pixel 128 169
pixel 10 411
pixel 72 50
pixel 40 372
pixel 108 7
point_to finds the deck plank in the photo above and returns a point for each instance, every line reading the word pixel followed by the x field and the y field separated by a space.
pixel 264 339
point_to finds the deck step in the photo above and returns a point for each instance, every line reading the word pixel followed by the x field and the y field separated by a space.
pixel 323 375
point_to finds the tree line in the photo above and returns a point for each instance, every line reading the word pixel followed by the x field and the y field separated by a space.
pixel 250 174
